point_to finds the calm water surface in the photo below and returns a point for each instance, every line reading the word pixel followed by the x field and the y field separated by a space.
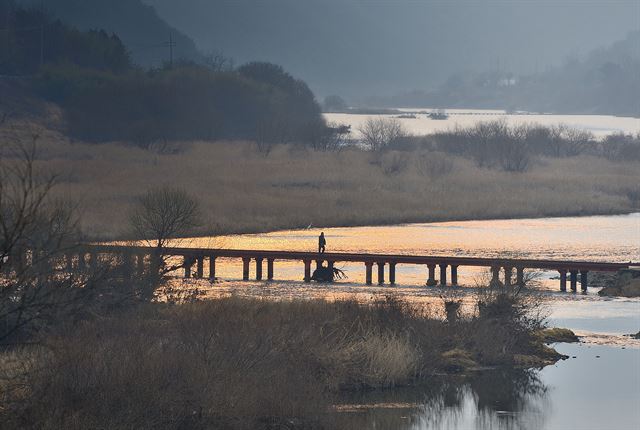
pixel 598 238
pixel 600 125
pixel 598 388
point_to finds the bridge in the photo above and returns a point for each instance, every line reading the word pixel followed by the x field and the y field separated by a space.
pixel 141 259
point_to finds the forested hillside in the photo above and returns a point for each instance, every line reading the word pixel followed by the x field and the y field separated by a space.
pixel 106 97
pixel 145 34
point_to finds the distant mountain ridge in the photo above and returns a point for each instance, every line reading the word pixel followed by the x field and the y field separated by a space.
pixel 606 81
pixel 145 34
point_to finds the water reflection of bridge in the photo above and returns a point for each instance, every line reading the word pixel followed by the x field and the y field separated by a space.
pixel 142 259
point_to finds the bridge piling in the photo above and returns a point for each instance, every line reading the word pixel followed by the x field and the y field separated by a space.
pixel 307 270
pixel 212 268
pixel 93 260
pixel 140 264
pixel 245 268
pixel 431 281
pixel 392 273
pixel 186 263
pixel 200 266
pixel 380 272
pixel 574 280
pixel 583 280
pixel 443 275
pixel 269 269
pixel 368 275
pixel 127 269
pixel 520 276
pixel 495 276
pixel 563 280
pixel 454 274
pixel 258 269
pixel 508 276
pixel 69 262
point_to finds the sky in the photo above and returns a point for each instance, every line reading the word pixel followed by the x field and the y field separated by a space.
pixel 358 48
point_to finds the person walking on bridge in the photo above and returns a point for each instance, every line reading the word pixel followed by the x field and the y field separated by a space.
pixel 322 242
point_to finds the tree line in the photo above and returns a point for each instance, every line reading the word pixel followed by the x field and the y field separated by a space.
pixel 106 97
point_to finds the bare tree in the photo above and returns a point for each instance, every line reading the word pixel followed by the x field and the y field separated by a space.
pixel 218 62
pixel 36 234
pixel 380 133
pixel 162 214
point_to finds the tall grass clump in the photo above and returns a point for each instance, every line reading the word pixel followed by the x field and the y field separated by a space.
pixel 244 363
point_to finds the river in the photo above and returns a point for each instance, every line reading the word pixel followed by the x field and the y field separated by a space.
pixel 599 125
pixel 597 388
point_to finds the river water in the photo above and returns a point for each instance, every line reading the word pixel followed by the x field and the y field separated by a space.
pixel 599 125
pixel 597 388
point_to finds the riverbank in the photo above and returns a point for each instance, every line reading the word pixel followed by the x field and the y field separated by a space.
pixel 242 190
pixel 251 363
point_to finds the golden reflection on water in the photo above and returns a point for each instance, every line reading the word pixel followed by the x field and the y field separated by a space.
pixel 598 238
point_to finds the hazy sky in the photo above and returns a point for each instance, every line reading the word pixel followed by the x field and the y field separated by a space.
pixel 359 48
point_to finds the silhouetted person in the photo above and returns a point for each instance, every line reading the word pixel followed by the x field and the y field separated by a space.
pixel 321 243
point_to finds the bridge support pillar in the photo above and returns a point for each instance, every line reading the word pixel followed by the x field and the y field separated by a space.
pixel 583 280
pixel 574 280
pixel 368 275
pixel 563 280
pixel 392 273
pixel 93 260
pixel 245 268
pixel 431 281
pixel 200 267
pixel 508 276
pixel 186 263
pixel 270 269
pixel 520 276
pixel 307 270
pixel 495 276
pixel 212 268
pixel 82 262
pixel 380 272
pixel 126 264
pixel 443 275
pixel 454 274
pixel 140 264
pixel 258 269
pixel 155 263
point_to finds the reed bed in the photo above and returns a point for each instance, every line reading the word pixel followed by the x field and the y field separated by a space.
pixel 242 190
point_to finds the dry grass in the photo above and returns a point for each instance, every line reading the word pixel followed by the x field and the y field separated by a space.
pixel 237 363
pixel 241 190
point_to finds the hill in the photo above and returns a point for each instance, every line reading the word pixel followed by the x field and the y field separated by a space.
pixel 605 81
pixel 145 34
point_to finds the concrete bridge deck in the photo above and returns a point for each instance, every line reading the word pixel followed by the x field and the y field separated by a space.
pixel 446 264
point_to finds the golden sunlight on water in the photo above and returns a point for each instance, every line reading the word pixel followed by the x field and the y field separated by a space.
pixel 597 238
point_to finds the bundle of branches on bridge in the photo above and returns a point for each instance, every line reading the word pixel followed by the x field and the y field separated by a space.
pixel 327 274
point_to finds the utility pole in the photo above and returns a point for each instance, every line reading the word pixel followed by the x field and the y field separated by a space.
pixel 6 27
pixel 42 17
pixel 170 44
